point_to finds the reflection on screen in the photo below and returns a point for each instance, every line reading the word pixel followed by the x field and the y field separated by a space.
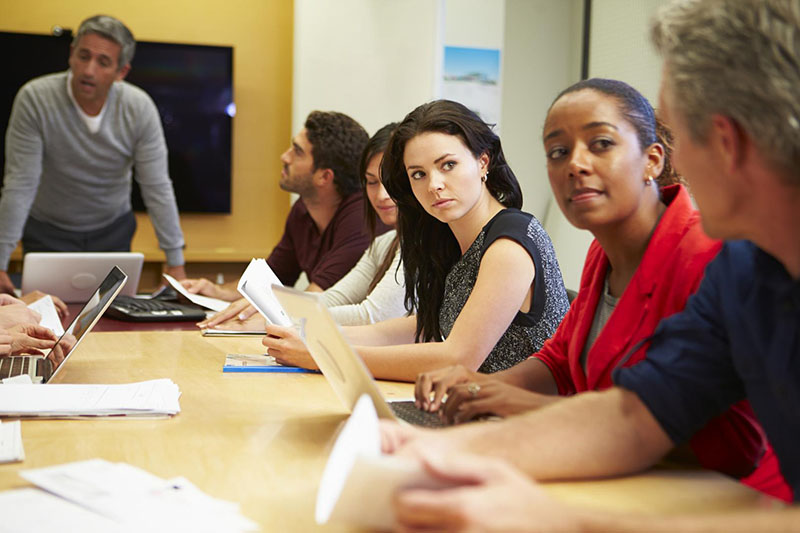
pixel 91 312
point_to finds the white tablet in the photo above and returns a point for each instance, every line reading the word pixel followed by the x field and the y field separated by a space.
pixel 73 276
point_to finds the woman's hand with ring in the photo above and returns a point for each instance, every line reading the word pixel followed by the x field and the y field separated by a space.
pixel 468 401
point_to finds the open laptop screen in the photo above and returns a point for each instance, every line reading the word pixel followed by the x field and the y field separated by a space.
pixel 88 316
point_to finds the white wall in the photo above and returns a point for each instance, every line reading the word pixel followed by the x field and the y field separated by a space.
pixel 373 59
pixel 376 60
pixel 542 57
pixel 620 44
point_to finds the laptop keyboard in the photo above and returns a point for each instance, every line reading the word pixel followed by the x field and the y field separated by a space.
pixel 15 366
pixel 138 309
pixel 408 411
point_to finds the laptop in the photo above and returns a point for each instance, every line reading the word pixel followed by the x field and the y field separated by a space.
pixel 339 363
pixel 72 276
pixel 38 367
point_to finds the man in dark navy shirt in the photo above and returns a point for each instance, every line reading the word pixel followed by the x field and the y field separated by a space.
pixel 730 93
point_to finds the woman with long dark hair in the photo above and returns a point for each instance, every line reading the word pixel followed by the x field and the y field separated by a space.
pixel 373 290
pixel 482 282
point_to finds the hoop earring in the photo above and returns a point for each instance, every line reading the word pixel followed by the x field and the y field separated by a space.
pixel 485 177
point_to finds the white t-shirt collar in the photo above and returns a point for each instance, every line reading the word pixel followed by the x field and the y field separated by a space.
pixel 92 122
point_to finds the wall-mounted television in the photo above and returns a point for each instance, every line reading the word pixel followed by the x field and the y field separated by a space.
pixel 192 86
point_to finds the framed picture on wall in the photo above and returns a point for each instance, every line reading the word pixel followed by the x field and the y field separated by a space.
pixel 472 77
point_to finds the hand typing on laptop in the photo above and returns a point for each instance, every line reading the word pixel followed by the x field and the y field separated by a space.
pixel 34 340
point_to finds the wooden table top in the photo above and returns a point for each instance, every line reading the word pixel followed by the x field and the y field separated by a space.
pixel 262 439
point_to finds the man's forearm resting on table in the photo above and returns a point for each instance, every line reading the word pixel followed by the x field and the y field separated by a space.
pixel 594 434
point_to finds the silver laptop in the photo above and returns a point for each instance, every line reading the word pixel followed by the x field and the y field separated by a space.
pixel 339 363
pixel 72 276
pixel 38 367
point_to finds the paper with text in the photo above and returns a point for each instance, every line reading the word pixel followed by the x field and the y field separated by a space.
pixel 131 496
pixel 148 398
pixel 45 307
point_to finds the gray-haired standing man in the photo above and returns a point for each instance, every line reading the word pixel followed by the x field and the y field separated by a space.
pixel 72 143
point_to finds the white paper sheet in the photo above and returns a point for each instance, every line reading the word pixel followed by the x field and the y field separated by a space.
pixel 256 286
pixel 45 307
pixel 11 442
pixel 217 332
pixel 357 467
pixel 26 510
pixel 131 496
pixel 215 304
pixel 22 379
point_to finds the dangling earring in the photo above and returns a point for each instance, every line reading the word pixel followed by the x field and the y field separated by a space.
pixel 649 181
pixel 485 177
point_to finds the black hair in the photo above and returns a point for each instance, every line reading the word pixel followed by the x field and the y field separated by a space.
pixel 376 146
pixel 336 143
pixel 428 248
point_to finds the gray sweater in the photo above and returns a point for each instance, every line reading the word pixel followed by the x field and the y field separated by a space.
pixel 59 172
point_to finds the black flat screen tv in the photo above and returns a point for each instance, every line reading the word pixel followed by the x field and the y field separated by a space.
pixel 192 86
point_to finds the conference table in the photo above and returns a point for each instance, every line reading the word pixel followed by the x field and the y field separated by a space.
pixel 262 440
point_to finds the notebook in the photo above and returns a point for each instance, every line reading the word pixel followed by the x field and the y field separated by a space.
pixel 72 276
pixel 38 367
pixel 339 363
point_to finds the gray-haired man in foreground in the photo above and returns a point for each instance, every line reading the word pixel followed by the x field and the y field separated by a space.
pixel 730 93
pixel 73 139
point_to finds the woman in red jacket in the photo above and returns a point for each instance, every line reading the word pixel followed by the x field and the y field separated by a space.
pixel 609 168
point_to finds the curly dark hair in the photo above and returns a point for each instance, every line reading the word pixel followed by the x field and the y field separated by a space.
pixel 428 249
pixel 640 114
pixel 336 143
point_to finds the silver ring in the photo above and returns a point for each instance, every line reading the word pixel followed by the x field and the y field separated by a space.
pixel 473 388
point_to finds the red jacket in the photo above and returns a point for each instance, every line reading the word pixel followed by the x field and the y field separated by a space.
pixel 670 271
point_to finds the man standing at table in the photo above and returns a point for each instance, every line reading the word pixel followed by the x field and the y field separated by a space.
pixel 325 232
pixel 73 139
pixel 730 93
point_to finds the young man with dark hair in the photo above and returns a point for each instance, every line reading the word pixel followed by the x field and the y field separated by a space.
pixel 325 232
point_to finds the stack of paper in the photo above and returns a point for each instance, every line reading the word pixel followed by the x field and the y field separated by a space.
pixel 116 497
pixel 158 397
pixel 11 442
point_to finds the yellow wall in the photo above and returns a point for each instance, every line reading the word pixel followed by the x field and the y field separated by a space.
pixel 261 33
